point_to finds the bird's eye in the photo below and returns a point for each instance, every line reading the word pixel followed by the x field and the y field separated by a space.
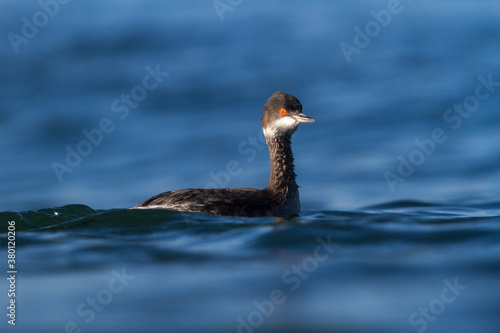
pixel 283 112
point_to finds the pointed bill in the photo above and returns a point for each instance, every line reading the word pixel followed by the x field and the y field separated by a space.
pixel 302 118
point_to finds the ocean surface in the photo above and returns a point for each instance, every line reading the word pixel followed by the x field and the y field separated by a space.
pixel 107 103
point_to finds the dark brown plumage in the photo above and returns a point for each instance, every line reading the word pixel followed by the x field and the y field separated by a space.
pixel 280 119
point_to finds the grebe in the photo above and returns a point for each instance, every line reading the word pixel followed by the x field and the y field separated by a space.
pixel 281 118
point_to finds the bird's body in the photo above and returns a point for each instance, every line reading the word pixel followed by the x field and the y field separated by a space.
pixel 231 201
pixel 281 117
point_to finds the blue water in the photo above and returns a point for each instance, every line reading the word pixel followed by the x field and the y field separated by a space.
pixel 104 104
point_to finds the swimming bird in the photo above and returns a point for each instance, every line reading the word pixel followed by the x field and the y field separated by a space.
pixel 280 119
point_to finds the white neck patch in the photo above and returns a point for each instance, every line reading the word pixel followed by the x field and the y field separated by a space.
pixel 282 125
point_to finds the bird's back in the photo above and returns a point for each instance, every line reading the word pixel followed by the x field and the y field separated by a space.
pixel 231 202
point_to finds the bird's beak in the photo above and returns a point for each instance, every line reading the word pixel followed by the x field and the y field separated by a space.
pixel 302 118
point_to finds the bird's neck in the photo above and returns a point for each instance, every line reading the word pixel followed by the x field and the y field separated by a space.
pixel 282 179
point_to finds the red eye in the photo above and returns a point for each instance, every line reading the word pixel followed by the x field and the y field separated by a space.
pixel 283 112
